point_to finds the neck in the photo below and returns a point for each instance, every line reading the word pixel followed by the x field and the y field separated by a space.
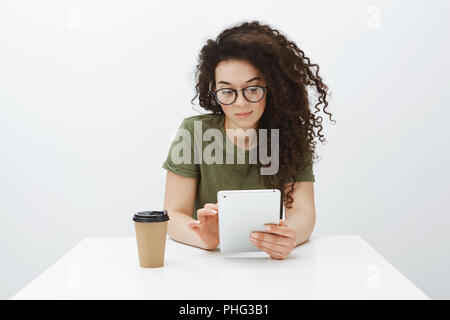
pixel 238 136
pixel 231 125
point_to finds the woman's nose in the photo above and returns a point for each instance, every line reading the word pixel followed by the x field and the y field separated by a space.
pixel 240 99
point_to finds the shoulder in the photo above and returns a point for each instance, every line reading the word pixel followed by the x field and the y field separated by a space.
pixel 206 121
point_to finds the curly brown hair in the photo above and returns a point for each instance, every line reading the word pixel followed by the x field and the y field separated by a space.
pixel 288 73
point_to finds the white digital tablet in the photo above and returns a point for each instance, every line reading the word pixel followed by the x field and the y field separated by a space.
pixel 244 211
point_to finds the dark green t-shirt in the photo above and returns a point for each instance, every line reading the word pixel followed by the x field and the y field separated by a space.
pixel 193 149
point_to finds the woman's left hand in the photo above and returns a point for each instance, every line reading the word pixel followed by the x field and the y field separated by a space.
pixel 278 241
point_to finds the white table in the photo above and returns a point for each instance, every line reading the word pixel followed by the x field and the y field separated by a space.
pixel 325 267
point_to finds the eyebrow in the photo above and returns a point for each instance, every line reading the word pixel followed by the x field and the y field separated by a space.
pixel 252 79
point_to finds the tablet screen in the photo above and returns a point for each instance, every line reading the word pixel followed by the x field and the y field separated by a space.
pixel 242 212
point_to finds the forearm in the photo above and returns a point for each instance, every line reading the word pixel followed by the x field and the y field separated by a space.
pixel 303 223
pixel 179 231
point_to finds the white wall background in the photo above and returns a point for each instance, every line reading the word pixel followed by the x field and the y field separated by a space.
pixel 91 92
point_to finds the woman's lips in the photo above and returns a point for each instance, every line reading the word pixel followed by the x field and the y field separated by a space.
pixel 243 115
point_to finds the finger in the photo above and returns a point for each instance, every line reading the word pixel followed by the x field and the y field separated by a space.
pixel 204 213
pixel 201 217
pixel 282 248
pixel 272 253
pixel 207 212
pixel 273 238
pixel 283 242
pixel 280 223
pixel 276 255
pixel 211 206
pixel 194 223
pixel 281 230
pixel 273 248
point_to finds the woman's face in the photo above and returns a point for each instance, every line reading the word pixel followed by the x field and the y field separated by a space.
pixel 239 74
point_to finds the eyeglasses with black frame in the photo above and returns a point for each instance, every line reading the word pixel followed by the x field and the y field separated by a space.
pixel 227 96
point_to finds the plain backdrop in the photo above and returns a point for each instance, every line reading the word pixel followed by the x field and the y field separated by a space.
pixel 91 93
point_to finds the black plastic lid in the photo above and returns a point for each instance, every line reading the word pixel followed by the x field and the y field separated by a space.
pixel 151 216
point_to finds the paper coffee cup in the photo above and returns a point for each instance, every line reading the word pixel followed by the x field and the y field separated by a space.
pixel 151 231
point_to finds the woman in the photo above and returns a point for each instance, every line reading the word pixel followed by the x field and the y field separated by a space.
pixel 250 78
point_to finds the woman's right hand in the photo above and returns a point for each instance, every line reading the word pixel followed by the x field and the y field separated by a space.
pixel 207 225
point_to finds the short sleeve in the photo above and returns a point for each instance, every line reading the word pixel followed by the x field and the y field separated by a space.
pixel 180 158
pixel 306 175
